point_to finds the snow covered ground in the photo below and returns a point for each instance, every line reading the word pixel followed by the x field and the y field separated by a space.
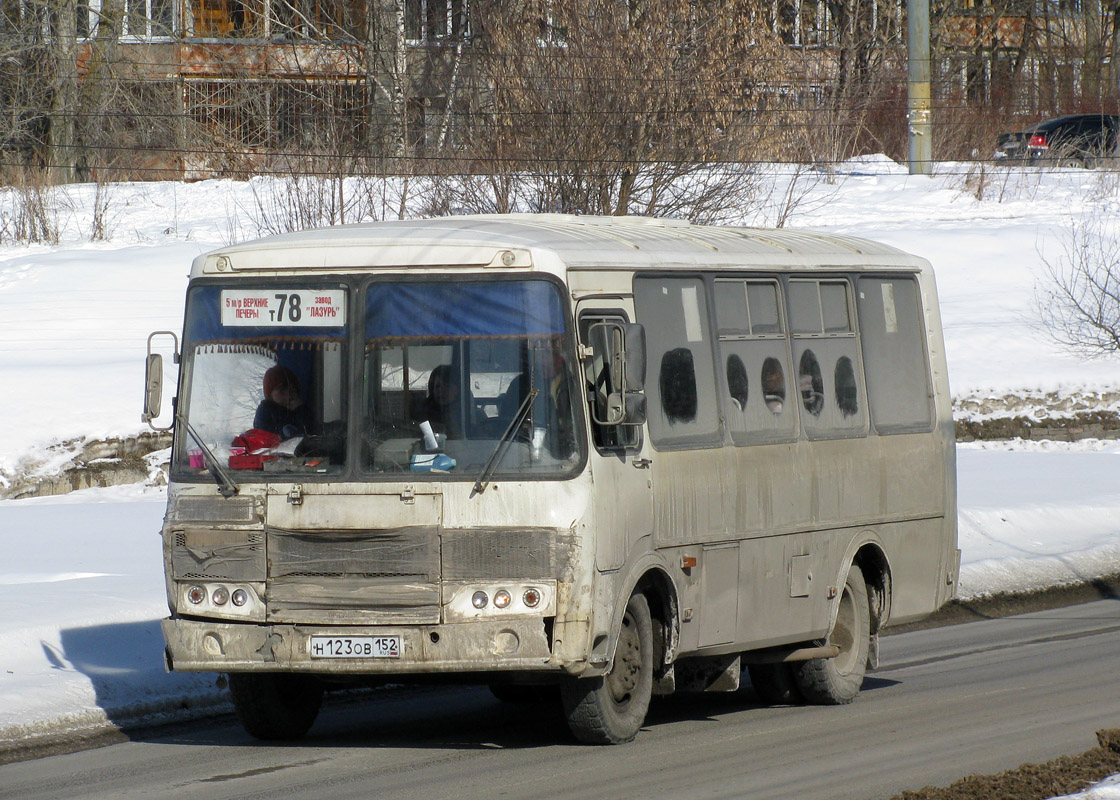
pixel 81 585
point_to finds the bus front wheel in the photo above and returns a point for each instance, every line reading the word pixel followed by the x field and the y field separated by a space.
pixel 834 681
pixel 275 706
pixel 610 709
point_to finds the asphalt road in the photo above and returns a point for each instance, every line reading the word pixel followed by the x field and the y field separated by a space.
pixel 946 702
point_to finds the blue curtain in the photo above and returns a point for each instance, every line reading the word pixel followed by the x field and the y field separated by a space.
pixel 463 309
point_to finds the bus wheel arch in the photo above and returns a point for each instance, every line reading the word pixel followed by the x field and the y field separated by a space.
pixel 836 681
pixel 661 595
pixel 872 562
pixel 611 708
pixel 649 577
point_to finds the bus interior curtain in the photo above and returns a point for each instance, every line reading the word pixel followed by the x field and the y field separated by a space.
pixel 462 309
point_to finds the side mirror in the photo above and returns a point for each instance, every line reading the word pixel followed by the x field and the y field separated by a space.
pixel 624 349
pixel 634 365
pixel 625 408
pixel 153 381
pixel 635 408
pixel 153 387
pixel 616 409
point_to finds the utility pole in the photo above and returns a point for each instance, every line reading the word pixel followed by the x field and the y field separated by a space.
pixel 64 100
pixel 918 92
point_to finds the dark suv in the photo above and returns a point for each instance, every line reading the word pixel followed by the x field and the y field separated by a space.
pixel 1077 140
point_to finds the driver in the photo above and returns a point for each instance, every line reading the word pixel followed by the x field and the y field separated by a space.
pixel 282 411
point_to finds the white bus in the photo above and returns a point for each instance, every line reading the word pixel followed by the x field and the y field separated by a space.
pixel 591 458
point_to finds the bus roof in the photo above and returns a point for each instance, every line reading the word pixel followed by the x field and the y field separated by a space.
pixel 568 241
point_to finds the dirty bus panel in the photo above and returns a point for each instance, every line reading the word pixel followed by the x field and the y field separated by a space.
pixel 593 459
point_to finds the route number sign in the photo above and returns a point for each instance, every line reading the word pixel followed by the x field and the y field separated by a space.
pixel 288 308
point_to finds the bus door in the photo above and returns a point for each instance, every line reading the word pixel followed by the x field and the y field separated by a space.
pixel 620 455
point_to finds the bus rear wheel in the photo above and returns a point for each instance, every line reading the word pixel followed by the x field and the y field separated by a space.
pixel 611 709
pixel 835 681
pixel 274 706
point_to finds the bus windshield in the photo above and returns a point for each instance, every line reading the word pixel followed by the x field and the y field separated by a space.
pixel 266 377
pixel 447 368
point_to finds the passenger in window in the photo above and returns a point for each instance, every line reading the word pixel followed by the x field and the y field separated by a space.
pixel 442 407
pixel 737 382
pixel 811 383
pixel 773 385
pixel 282 411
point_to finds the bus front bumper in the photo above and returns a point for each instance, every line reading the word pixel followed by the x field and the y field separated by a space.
pixel 213 646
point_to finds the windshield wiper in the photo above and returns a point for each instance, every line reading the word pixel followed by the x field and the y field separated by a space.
pixel 226 486
pixel 503 443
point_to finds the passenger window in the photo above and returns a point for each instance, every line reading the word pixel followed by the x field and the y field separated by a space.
pixel 762 298
pixel 834 307
pixel 682 404
pixel 731 307
pixel 752 343
pixel 825 345
pixel 892 331
pixel 805 307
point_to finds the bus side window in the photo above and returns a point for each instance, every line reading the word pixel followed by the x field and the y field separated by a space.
pixel 753 353
pixel 826 352
pixel 597 376
pixel 894 354
pixel 683 402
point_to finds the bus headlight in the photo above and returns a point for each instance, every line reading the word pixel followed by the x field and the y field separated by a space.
pixel 469 600
pixel 222 600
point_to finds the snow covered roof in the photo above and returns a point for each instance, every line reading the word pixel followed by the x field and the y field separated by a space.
pixel 559 240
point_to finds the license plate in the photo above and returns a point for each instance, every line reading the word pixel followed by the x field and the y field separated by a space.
pixel 355 647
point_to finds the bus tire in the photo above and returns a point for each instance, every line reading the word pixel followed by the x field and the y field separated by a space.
pixel 774 684
pixel 611 708
pixel 274 706
pixel 835 681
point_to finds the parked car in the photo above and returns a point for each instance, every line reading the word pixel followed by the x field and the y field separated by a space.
pixel 1077 140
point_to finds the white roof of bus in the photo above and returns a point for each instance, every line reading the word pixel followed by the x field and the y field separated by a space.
pixel 577 241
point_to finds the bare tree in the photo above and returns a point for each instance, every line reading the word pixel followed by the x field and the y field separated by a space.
pixel 1080 305
pixel 28 69
pixel 619 108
